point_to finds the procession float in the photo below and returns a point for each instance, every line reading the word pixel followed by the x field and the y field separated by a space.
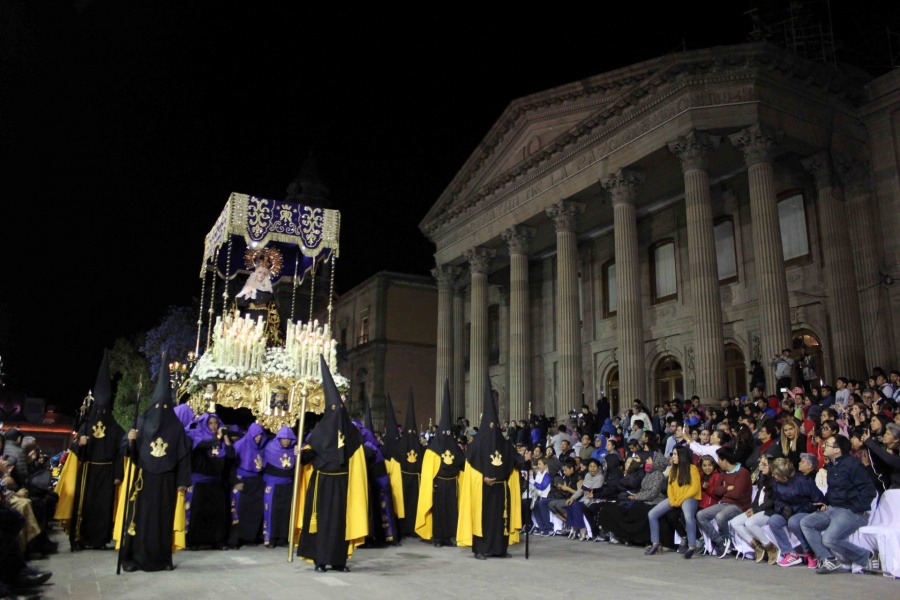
pixel 249 359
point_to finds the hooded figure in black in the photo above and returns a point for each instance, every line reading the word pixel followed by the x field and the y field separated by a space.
pixel 161 452
pixel 490 505
pixel 408 456
pixel 335 513
pixel 438 510
pixel 98 451
pixel 389 447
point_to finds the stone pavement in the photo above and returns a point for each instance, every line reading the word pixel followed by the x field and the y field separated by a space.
pixel 557 568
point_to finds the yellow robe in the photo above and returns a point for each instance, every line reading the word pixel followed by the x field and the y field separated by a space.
pixel 396 478
pixel 431 464
pixel 470 506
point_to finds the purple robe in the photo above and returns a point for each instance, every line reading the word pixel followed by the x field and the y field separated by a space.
pixel 278 475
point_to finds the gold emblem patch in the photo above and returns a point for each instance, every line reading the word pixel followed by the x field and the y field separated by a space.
pixel 214 451
pixel 447 457
pixel 257 462
pixel 158 448
pixel 340 440
pixel 99 430
pixel 411 456
pixel 496 458
pixel 285 461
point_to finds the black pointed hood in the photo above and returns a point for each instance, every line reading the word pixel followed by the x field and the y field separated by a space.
pixel 161 436
pixel 408 450
pixel 491 453
pixel 391 431
pixel 335 438
pixel 104 432
pixel 444 443
pixel 368 421
pixel 410 415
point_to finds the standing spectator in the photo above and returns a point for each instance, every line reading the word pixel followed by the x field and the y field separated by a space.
pixel 757 376
pixel 842 396
pixel 845 509
pixel 639 413
pixel 807 370
pixel 783 365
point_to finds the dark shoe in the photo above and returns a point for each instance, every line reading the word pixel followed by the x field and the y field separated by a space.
pixel 480 557
pixel 828 565
pixel 651 550
pixel 681 548
pixel 689 552
pixel 320 569
pixel 170 567
pixel 129 567
pixel 340 568
pixel 29 578
pixel 507 555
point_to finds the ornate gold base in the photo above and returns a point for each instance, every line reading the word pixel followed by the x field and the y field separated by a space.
pixel 256 393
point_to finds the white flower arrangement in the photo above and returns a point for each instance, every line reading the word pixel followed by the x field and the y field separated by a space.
pixel 279 363
pixel 206 369
pixel 342 383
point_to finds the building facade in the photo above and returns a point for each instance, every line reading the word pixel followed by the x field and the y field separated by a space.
pixel 645 233
pixel 386 332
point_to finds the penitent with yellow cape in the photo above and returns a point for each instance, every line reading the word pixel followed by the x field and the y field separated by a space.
pixel 336 504
pixel 490 501
pixel 438 510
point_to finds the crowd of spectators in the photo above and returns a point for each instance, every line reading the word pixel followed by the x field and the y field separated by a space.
pixel 27 504
pixel 784 479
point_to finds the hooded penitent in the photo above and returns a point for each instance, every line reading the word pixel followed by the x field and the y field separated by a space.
pixel 408 456
pixel 249 452
pixel 276 454
pixel 490 515
pixel 391 441
pixel 162 441
pixel 201 433
pixel 105 433
pixel 436 515
pixel 335 516
pixel 186 415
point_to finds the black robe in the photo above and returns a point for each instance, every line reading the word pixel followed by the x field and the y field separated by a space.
pixel 99 466
pixel 207 501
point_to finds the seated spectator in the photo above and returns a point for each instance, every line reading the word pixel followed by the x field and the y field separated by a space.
pixel 613 473
pixel 587 448
pixel 735 490
pixel 844 510
pixel 590 483
pixel 809 465
pixel 792 443
pixel 540 482
pixel 768 436
pixel 568 452
pixel 749 524
pixel 564 486
pixel 626 521
pixel 683 491
pixel 599 450
pixel 795 497
pixel 886 461
pixel 709 476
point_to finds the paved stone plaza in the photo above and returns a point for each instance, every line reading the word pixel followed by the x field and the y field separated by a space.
pixel 557 568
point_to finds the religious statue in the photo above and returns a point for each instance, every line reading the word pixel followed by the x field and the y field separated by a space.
pixel 278 402
pixel 257 298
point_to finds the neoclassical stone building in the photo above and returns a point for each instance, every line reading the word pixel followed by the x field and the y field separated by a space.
pixel 645 233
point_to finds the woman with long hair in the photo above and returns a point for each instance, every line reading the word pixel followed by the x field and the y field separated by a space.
pixel 886 455
pixel 795 497
pixel 749 524
pixel 793 442
pixel 683 491
pixel 709 475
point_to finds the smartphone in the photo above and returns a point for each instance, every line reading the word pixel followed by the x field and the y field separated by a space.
pixel 783 390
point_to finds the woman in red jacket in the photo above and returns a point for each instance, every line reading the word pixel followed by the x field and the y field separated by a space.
pixel 709 476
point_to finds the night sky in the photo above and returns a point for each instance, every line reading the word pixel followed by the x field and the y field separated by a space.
pixel 124 127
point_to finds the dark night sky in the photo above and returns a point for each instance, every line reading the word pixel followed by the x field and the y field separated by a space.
pixel 124 126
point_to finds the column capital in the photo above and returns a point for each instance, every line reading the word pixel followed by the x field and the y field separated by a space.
pixel 564 213
pixel 819 165
pixel 854 172
pixel 756 142
pixel 622 185
pixel 519 238
pixel 693 149
pixel 446 276
pixel 480 259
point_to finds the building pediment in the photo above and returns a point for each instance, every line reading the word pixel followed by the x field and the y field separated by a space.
pixel 540 130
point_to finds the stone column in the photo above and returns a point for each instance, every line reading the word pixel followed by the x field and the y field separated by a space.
pixel 709 341
pixel 843 301
pixel 479 265
pixel 458 383
pixel 622 185
pixel 503 401
pixel 874 304
pixel 519 369
pixel 756 143
pixel 446 276
pixel 564 214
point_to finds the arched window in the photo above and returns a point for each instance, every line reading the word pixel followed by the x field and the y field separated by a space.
pixel 736 376
pixel 612 390
pixel 669 380
pixel 662 271
pixel 610 293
